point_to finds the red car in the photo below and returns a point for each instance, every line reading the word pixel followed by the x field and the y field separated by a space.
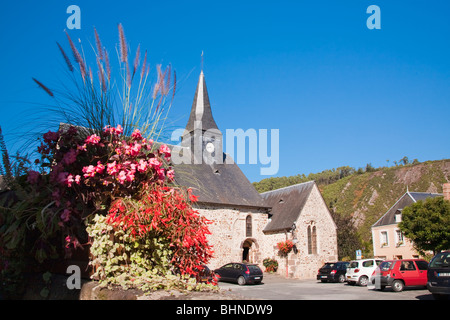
pixel 400 274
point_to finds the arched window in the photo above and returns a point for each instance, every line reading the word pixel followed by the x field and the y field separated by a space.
pixel 309 240
pixel 312 240
pixel 248 226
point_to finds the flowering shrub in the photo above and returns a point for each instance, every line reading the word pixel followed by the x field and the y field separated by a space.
pixel 285 246
pixel 270 264
pixel 163 211
pixel 128 181
pixel 85 174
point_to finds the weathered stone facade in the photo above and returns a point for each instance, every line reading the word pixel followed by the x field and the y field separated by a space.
pixel 242 227
pixel 233 242
pixel 304 264
pixel 229 235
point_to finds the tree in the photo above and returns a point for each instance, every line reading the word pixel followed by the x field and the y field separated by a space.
pixel 427 224
pixel 347 235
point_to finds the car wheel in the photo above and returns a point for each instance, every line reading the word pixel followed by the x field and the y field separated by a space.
pixel 363 281
pixel 397 285
pixel 341 278
pixel 241 281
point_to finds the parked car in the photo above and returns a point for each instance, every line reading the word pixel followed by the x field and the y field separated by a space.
pixel 240 273
pixel 399 274
pixel 439 275
pixel 359 271
pixel 333 272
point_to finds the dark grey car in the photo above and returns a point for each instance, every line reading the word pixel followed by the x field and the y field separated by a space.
pixel 240 273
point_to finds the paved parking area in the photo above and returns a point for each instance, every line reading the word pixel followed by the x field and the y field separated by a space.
pixel 275 287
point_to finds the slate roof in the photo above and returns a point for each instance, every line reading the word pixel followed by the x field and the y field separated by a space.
pixel 287 204
pixel 201 106
pixel 407 199
pixel 219 184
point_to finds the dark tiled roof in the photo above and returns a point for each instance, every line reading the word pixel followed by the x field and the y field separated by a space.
pixel 287 204
pixel 222 184
pixel 407 199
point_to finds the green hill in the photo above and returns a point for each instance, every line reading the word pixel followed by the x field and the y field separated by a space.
pixel 365 195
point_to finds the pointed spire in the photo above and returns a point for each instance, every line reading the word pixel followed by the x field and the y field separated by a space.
pixel 201 108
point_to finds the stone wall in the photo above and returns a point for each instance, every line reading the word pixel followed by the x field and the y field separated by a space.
pixel 229 237
pixel 228 234
pixel 303 265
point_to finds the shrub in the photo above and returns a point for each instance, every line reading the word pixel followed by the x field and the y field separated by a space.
pixel 270 264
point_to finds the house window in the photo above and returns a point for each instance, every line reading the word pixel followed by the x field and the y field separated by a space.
pixel 312 240
pixel 399 237
pixel 384 239
pixel 248 226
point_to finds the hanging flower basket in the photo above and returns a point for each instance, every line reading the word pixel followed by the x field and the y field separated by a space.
pixel 285 247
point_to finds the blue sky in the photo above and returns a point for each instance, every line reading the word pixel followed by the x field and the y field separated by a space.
pixel 339 93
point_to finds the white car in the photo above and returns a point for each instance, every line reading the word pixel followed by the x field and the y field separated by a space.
pixel 359 271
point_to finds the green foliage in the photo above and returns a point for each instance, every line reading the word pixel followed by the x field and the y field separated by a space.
pixel 427 224
pixel 271 265
pixel 120 259
pixel 348 238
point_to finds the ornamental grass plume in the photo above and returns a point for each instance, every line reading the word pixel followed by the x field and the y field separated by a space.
pixel 112 95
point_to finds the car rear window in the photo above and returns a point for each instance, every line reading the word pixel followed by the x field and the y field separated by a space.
pixel 441 260
pixel 354 264
pixel 422 265
pixel 387 265
pixel 329 265
pixel 254 268
pixel 368 263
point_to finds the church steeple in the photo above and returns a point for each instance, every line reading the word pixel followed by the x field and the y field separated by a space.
pixel 201 132
pixel 201 108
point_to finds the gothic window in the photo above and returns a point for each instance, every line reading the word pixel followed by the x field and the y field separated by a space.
pixel 248 226
pixel 312 240
pixel 309 240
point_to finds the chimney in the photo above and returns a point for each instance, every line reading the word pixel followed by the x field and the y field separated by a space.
pixel 446 188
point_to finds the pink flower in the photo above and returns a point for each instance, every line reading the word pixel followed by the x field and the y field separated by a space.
pixel 94 139
pixel 69 180
pixel 99 168
pixel 130 176
pixel 112 168
pixel 161 173
pixel 33 177
pixel 119 129
pixel 142 166
pixel 122 177
pixel 134 150
pixel 155 163
pixel 166 150
pixel 70 157
pixel 82 148
pixel 89 171
pixel 77 179
pixel 171 175
pixel 136 135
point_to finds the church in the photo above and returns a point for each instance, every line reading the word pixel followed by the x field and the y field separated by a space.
pixel 246 225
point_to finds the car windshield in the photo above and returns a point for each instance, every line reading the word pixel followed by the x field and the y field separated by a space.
pixel 441 260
